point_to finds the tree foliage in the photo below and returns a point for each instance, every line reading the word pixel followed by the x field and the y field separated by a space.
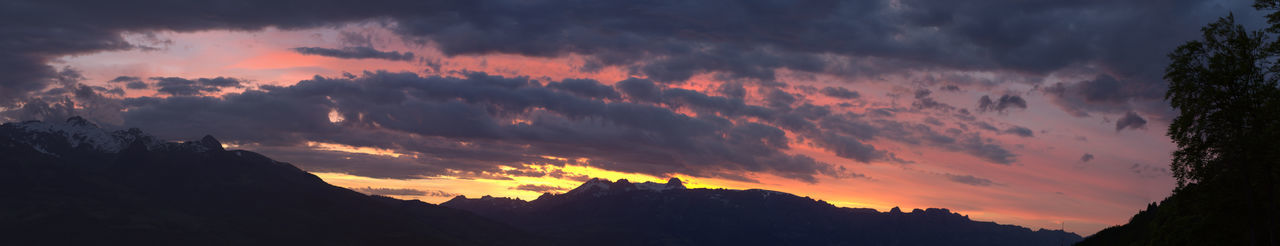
pixel 1225 95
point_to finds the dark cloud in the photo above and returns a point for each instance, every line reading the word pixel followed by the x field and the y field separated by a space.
pixel 853 127
pixel 1130 120
pixel 672 41
pixel 732 90
pixel 539 188
pixel 137 85
pixel 585 87
pixel 969 180
pixel 1149 171
pixel 951 88
pixel 983 148
pixel 359 52
pixel 555 173
pixel 839 92
pixel 849 147
pixel 1020 131
pixel 191 87
pixel 923 100
pixel 986 126
pixel 1005 102
pixel 641 90
pixel 1086 157
pixel 1107 94
pixel 467 124
pixel 777 98
pixel 33 33
pixel 125 79
pixel 933 121
pixel 669 40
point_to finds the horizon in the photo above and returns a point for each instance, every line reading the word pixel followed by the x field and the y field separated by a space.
pixel 1038 114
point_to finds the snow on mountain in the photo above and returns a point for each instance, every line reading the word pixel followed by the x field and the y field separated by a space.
pixel 78 134
pixel 597 186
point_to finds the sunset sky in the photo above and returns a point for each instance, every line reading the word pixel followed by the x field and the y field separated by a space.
pixel 1033 113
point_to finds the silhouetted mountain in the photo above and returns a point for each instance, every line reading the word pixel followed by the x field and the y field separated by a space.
pixel 74 183
pixel 624 213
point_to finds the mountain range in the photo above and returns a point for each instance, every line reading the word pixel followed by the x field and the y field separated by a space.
pixel 75 183
pixel 625 213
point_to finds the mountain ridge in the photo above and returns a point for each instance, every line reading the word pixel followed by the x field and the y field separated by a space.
pixel 724 216
pixel 128 187
pixel 80 184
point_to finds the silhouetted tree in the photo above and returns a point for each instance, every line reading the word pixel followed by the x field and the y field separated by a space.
pixel 1224 88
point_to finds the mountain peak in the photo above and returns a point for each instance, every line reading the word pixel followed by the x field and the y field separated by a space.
pixel 209 142
pixel 79 121
pixel 600 186
pixel 675 183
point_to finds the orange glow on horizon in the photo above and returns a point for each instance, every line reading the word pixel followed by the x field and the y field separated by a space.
pixel 353 149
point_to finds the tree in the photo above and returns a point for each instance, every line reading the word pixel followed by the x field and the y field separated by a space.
pixel 1224 88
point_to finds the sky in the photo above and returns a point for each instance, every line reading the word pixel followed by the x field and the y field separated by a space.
pixel 1044 114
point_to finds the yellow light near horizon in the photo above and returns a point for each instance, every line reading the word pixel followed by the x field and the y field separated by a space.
pixel 474 187
pixel 353 149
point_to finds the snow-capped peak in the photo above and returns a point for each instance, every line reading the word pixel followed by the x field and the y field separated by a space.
pixel 599 186
pixel 594 183
pixel 672 184
pixel 77 132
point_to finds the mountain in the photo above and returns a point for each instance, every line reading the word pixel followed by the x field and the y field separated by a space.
pixel 74 183
pixel 625 213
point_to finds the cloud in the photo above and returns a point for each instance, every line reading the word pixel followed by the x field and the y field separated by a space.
pixel 1107 94
pixel 986 126
pixel 969 180
pixel 1000 105
pixel 539 188
pixel 661 43
pixel 669 41
pixel 1020 131
pixel 125 79
pixel 1149 171
pixel 359 52
pixel 401 192
pixel 190 87
pixel 137 85
pixel 470 124
pixel 586 88
pixel 642 90
pixel 527 171
pixel 924 101
pixel 1130 120
pixel 1086 157
pixel 50 30
pixel 776 98
pixel 839 92
pixel 950 88
pixel 851 127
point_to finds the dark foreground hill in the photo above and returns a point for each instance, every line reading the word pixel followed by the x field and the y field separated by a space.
pixel 1210 213
pixel 76 184
pixel 622 213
